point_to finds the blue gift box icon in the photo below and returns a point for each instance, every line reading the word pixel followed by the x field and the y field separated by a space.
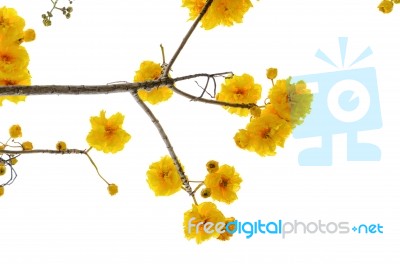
pixel 347 102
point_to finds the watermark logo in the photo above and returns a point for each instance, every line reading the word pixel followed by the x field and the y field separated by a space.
pixel 347 101
pixel 282 228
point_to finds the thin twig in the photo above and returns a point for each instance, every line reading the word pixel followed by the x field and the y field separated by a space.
pixel 97 169
pixel 168 144
pixel 204 88
pixel 208 101
pixel 198 187
pixel 194 199
pixel 13 174
pixel 227 74
pixel 186 38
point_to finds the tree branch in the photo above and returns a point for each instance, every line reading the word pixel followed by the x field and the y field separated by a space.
pixel 168 144
pixel 118 88
pixel 82 89
pixel 43 151
pixel 96 89
pixel 186 38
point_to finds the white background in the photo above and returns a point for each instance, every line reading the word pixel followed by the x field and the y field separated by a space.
pixel 59 211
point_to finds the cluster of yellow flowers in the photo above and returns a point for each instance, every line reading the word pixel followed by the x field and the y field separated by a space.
pixel 386 6
pixel 272 123
pixel 14 58
pixel 269 126
pixel 221 12
pixel 221 184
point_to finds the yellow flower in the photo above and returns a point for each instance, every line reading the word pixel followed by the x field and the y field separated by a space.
pixel 2 169
pixel 212 166
pixel 386 6
pixel 223 184
pixel 206 192
pixel 15 131
pixel 27 145
pixel 263 134
pixel 227 235
pixel 163 177
pixel 13 59
pixel 396 1
pixel 291 102
pixel 11 26
pixel 1 190
pixel 221 12
pixel 272 73
pixel 29 35
pixel 112 189
pixel 239 89
pixel 107 134
pixel 61 146
pixel 201 221
pixel 150 71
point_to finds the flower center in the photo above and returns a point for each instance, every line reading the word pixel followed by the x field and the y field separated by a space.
pixel 5 58
pixel 9 82
pixel 240 91
pixel 164 174
pixel 110 130
pixel 265 132
pixel 223 183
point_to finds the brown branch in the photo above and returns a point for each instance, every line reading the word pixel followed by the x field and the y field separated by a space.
pixel 186 38
pixel 118 88
pixel 43 151
pixel 96 89
pixel 82 89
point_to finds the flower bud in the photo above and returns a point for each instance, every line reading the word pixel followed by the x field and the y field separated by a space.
pixel 27 145
pixel 272 73
pixel 112 189
pixel 386 6
pixel 212 166
pixel 206 192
